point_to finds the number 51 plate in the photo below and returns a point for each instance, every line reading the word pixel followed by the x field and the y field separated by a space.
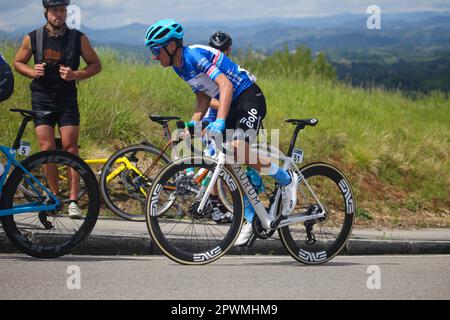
pixel 25 148
pixel 297 155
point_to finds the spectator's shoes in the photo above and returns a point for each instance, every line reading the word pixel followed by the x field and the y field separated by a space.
pixel 74 211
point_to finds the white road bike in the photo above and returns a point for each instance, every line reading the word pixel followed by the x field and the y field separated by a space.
pixel 313 233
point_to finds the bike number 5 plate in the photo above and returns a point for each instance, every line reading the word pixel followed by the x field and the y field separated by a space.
pixel 25 148
pixel 297 155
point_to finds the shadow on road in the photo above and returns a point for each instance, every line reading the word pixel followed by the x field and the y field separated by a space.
pixel 292 263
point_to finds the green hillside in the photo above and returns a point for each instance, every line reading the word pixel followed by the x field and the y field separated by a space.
pixel 394 150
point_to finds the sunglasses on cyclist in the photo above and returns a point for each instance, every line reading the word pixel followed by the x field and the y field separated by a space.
pixel 156 51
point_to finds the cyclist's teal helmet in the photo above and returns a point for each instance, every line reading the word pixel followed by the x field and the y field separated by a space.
pixel 163 31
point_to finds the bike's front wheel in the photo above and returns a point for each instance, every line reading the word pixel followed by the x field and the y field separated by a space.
pixel 50 234
pixel 322 188
pixel 192 237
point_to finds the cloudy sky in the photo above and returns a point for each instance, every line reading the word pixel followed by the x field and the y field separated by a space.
pixel 102 14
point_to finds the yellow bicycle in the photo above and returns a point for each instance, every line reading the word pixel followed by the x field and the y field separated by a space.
pixel 128 174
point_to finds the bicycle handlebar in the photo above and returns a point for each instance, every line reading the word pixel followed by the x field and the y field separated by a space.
pixel 181 125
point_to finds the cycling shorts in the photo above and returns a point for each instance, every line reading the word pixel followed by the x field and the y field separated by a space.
pixel 64 112
pixel 246 115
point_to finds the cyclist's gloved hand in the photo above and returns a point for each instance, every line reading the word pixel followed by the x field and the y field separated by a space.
pixel 188 129
pixel 216 128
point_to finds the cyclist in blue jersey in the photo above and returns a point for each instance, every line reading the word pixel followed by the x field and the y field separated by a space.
pixel 241 102
pixel 222 42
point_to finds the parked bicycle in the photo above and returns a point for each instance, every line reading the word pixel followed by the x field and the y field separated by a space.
pixel 37 223
pixel 315 232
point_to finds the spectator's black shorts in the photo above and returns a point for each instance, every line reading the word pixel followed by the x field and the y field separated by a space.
pixel 246 114
pixel 64 111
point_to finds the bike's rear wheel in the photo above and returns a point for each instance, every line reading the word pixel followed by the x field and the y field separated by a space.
pixel 318 241
pixel 49 234
pixel 126 193
pixel 192 237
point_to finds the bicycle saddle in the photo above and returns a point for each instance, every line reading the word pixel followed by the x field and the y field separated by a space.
pixel 304 122
pixel 162 119
pixel 31 113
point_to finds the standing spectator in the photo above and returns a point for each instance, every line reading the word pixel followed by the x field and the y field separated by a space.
pixel 57 51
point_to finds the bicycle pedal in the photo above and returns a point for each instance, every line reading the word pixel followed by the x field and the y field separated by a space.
pixel 251 241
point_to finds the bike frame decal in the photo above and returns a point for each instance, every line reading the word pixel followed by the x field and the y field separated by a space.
pixel 226 177
pixel 154 200
pixel 348 196
pixel 312 256
pixel 208 255
pixel 252 195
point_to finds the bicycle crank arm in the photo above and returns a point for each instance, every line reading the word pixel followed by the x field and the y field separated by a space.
pixel 299 218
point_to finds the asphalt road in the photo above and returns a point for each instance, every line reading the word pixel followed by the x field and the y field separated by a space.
pixel 232 277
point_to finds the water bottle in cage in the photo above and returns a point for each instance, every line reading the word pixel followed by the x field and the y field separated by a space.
pixel 255 179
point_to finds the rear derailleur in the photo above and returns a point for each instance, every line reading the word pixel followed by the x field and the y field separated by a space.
pixel 310 236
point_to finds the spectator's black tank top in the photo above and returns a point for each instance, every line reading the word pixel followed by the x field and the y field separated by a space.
pixel 54 54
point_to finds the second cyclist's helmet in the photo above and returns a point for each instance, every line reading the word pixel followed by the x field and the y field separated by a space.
pixel 55 3
pixel 163 31
pixel 220 40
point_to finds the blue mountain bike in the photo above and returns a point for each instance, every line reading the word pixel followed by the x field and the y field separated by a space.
pixel 34 199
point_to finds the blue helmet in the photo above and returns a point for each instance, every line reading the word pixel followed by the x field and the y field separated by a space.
pixel 163 31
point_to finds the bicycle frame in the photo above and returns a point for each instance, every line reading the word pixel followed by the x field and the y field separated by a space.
pixel 10 154
pixel 269 219
pixel 95 161
pixel 126 164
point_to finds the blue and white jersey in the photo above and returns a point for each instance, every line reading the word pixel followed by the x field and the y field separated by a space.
pixel 210 115
pixel 202 65
pixel 2 60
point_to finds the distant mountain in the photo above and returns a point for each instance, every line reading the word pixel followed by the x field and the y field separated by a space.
pixel 411 31
pixel 411 51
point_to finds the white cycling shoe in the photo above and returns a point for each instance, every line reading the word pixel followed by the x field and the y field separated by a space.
pixel 74 211
pixel 245 235
pixel 289 194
